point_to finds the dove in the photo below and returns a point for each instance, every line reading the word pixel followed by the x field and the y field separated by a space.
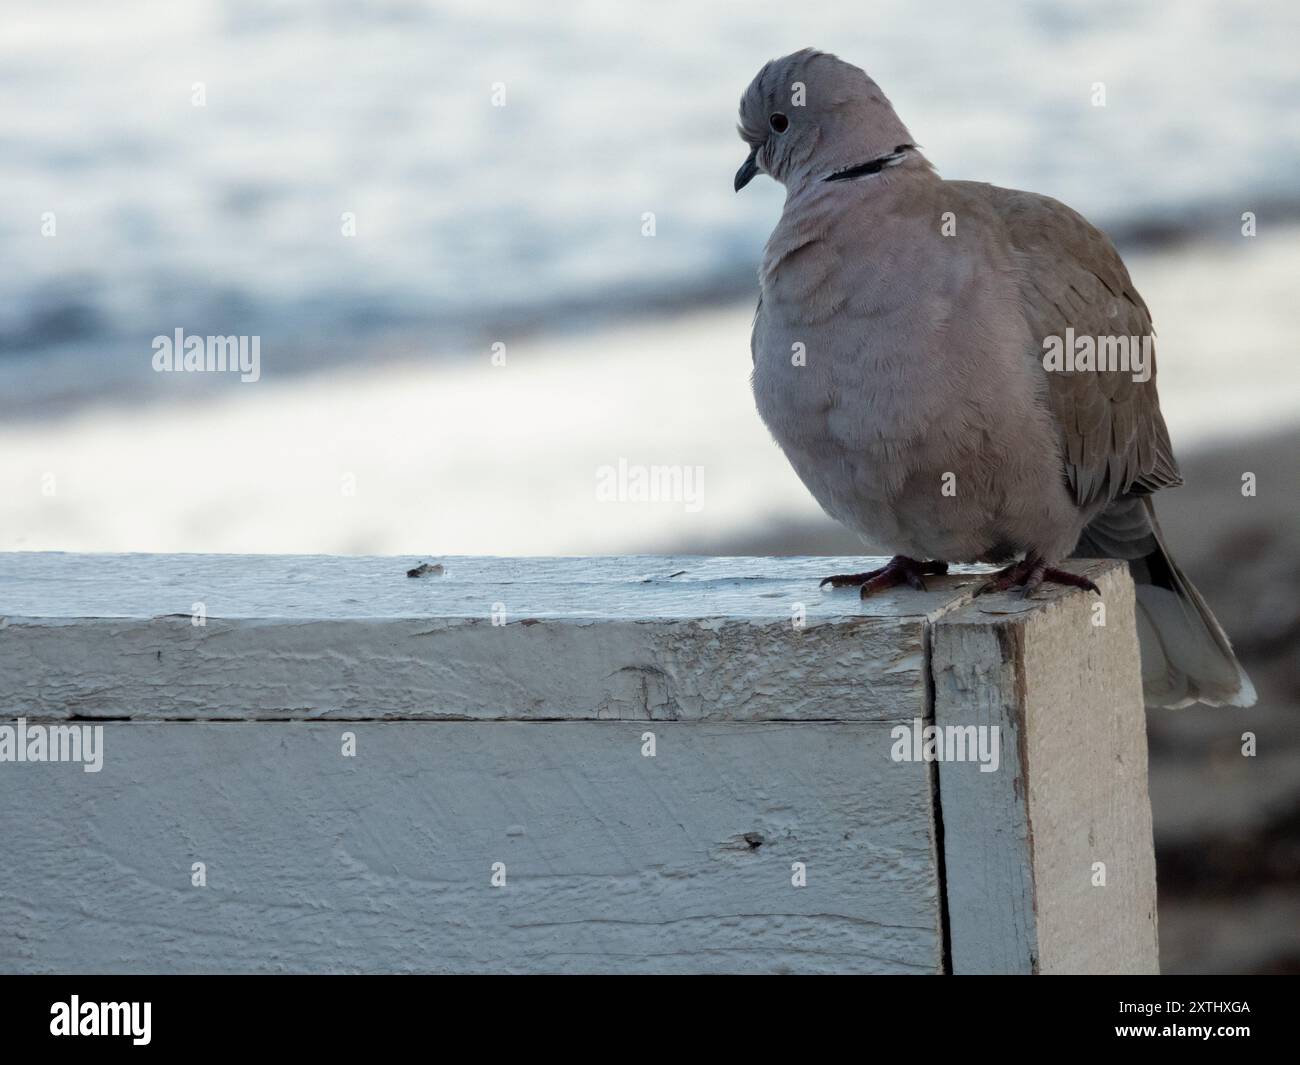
pixel 906 360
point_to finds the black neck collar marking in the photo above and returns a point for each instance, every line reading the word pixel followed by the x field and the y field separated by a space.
pixel 871 166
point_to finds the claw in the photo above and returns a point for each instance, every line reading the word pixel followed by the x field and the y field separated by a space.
pixel 843 580
pixel 899 570
pixel 1029 574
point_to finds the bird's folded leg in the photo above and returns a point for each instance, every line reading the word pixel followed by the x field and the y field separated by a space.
pixel 1028 574
pixel 898 570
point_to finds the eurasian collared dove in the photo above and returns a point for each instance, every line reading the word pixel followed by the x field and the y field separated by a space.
pixel 899 363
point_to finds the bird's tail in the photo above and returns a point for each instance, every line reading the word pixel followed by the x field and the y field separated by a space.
pixel 1186 656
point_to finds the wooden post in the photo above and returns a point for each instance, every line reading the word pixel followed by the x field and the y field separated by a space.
pixel 577 765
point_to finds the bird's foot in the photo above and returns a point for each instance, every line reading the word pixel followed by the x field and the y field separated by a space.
pixel 898 570
pixel 1028 574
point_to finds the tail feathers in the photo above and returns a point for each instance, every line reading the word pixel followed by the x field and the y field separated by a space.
pixel 1186 656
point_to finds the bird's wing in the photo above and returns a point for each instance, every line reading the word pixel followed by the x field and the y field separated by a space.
pixel 1113 436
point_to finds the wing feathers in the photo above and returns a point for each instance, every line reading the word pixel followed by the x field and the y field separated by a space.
pixel 1114 438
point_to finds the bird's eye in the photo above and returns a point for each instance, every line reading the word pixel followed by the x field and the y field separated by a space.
pixel 779 122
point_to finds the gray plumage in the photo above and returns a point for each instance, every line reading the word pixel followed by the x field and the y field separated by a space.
pixel 924 358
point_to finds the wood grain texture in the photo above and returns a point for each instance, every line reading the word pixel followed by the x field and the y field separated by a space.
pixel 521 742
pixel 615 862
pixel 301 637
pixel 1020 844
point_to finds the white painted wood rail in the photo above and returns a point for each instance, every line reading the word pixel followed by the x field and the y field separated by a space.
pixel 607 764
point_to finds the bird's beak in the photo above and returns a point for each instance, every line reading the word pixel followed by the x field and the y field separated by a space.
pixel 747 170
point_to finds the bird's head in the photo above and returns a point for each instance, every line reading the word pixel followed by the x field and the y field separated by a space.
pixel 810 115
